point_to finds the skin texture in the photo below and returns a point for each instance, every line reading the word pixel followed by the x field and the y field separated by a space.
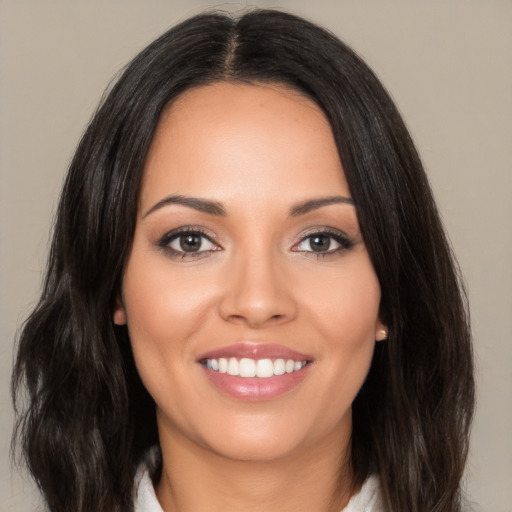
pixel 258 150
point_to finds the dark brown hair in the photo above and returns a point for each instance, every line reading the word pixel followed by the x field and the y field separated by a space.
pixel 84 418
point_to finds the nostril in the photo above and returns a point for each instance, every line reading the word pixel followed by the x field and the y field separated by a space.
pixel 256 319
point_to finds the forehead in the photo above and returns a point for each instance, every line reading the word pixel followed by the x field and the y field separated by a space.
pixel 240 140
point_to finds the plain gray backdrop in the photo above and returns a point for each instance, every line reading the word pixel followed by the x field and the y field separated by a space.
pixel 448 65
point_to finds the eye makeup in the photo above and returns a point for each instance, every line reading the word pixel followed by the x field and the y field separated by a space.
pixel 193 242
pixel 187 242
pixel 324 242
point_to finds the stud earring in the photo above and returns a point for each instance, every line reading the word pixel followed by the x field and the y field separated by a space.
pixel 383 335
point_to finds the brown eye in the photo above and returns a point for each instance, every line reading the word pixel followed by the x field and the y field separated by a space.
pixel 320 243
pixel 190 242
pixel 324 243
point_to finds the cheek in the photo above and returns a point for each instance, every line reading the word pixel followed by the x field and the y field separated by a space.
pixel 164 312
pixel 345 313
pixel 160 301
pixel 344 305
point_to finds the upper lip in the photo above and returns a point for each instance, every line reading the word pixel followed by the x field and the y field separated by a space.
pixel 255 351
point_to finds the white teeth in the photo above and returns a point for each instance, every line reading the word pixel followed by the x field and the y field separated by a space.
pixel 279 367
pixel 247 367
pixel 233 367
pixel 262 368
pixel 223 365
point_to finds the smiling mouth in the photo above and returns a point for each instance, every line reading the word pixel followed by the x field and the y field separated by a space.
pixel 246 368
pixel 255 371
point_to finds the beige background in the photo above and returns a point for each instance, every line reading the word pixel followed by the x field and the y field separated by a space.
pixel 448 64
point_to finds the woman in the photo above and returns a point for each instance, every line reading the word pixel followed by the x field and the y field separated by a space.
pixel 250 302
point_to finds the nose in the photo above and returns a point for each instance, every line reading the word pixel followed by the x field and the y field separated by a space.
pixel 257 292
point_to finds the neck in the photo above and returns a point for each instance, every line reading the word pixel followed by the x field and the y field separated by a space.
pixel 195 479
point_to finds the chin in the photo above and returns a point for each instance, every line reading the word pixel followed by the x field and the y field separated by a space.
pixel 257 448
pixel 266 438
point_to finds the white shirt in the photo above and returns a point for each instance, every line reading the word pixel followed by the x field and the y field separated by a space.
pixel 368 499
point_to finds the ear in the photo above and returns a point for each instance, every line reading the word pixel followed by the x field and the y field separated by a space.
pixel 119 314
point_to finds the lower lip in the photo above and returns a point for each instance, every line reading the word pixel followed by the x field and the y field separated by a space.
pixel 256 389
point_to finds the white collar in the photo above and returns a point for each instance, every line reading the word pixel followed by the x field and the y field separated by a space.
pixel 368 499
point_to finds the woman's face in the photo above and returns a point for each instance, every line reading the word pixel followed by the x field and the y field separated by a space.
pixel 247 258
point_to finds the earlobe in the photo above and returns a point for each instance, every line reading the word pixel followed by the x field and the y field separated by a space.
pixel 119 315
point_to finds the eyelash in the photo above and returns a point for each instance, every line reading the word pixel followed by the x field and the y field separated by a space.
pixel 345 243
pixel 168 238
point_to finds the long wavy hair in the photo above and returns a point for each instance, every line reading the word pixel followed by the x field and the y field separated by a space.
pixel 84 419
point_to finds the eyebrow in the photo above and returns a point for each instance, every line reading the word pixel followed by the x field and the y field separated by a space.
pixel 201 205
pixel 315 204
pixel 216 208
